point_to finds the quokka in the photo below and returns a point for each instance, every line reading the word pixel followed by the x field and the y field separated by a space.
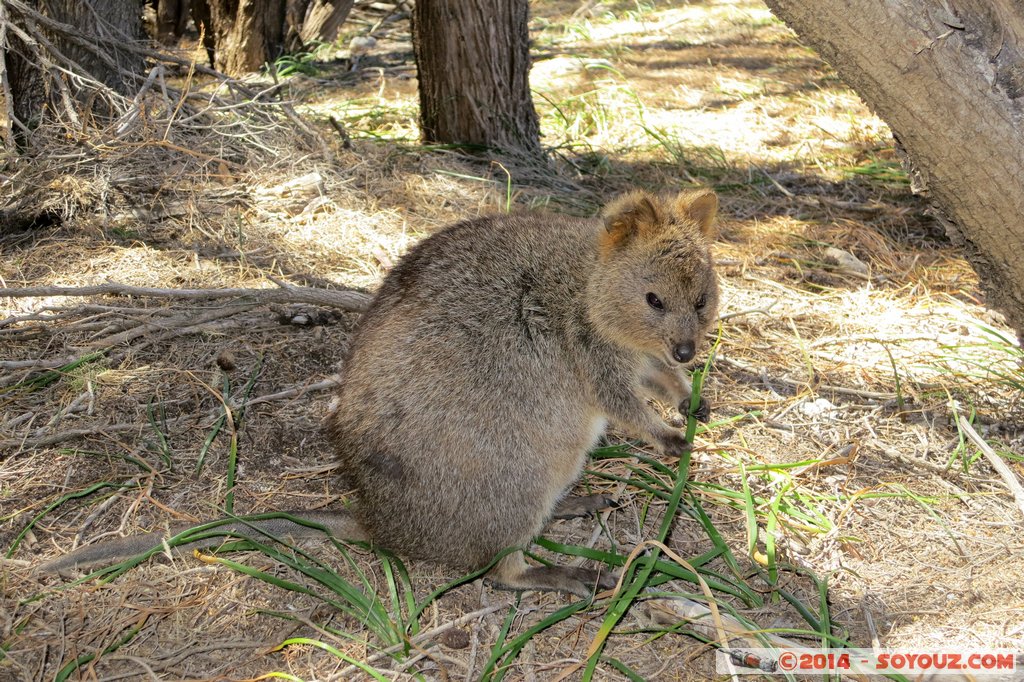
pixel 490 362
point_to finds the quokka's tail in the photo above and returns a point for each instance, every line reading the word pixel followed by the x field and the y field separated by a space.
pixel 280 525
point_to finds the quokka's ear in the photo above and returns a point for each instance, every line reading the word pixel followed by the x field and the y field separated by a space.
pixel 633 215
pixel 699 207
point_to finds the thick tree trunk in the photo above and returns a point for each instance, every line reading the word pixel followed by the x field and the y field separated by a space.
pixel 31 67
pixel 171 19
pixel 474 62
pixel 246 33
pixel 951 88
pixel 243 35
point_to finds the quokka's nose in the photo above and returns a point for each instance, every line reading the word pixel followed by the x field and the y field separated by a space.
pixel 683 352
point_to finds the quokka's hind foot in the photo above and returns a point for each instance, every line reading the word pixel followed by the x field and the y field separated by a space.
pixel 574 507
pixel 513 573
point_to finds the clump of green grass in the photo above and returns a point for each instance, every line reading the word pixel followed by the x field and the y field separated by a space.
pixel 303 62
pixel 881 171
pixel 1001 362
pixel 651 574
pixel 708 161
pixel 78 371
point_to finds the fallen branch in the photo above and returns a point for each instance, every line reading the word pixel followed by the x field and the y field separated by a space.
pixel 1009 478
pixel 174 326
pixel 350 301
pixel 17 445
pixel 332 381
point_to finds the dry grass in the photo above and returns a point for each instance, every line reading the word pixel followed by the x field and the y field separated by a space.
pixel 835 389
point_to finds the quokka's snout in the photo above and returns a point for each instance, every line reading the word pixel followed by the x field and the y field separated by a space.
pixel 684 351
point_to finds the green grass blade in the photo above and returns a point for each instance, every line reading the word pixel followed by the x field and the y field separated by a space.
pixel 217 426
pixel 749 513
pixel 618 665
pixel 334 651
pixel 487 674
pixel 511 650
pixel 163 446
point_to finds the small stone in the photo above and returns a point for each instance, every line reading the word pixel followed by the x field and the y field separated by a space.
pixel 226 360
pixel 845 261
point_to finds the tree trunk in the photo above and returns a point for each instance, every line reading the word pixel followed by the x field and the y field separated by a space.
pixel 105 24
pixel 246 34
pixel 951 88
pixel 171 19
pixel 473 59
pixel 312 21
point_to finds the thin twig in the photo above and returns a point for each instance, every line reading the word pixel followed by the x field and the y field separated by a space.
pixel 766 310
pixel 70 434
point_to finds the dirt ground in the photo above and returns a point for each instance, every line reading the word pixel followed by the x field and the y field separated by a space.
pixel 853 336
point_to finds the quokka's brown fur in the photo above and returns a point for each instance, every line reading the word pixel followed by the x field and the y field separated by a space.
pixel 491 361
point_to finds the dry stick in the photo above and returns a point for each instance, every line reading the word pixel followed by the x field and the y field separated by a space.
pixel 67 435
pixel 669 611
pixel 995 460
pixel 817 387
pixel 36 41
pixel 912 462
pixel 35 364
pixel 91 44
pixel 70 434
pixel 175 326
pixel 97 512
pixel 422 637
pixel 171 326
pixel 129 118
pixel 91 311
pixel 766 310
pixel 351 301
pixel 330 382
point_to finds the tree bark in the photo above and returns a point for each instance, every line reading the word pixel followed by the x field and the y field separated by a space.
pixel 246 33
pixel 951 88
pixel 243 35
pixel 31 68
pixel 473 59
pixel 171 19
pixel 313 21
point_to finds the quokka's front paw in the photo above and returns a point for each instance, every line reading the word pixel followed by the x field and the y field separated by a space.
pixel 703 413
pixel 673 444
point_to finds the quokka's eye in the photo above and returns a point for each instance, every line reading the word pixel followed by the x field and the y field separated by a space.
pixel 702 302
pixel 654 301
